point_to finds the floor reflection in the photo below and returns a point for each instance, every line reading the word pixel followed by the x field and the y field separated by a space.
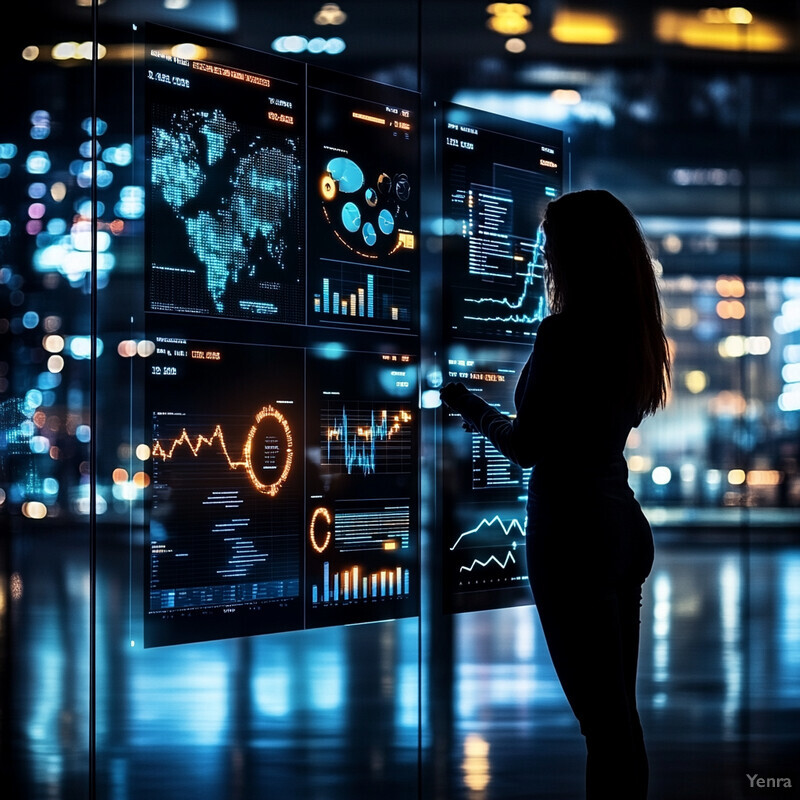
pixel 719 683
pixel 335 713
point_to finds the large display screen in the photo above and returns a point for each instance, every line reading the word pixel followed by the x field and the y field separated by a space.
pixel 225 227
pixel 498 175
pixel 361 555
pixel 225 555
pixel 363 212
pixel 281 297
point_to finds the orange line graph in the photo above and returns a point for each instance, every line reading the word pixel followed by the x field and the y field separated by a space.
pixel 195 444
pixel 200 440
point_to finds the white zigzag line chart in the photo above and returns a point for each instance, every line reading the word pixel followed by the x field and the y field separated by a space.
pixel 495 520
pixel 477 563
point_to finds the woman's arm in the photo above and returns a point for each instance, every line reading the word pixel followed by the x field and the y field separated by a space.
pixel 518 438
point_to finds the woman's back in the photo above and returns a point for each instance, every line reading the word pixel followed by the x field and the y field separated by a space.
pixel 576 403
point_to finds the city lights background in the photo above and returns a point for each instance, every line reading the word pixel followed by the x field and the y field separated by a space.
pixel 690 114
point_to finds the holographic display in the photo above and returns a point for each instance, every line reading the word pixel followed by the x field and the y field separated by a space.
pixel 484 496
pixel 281 398
pixel 226 189
pixel 497 176
pixel 496 184
pixel 225 557
pixel 362 559
pixel 363 153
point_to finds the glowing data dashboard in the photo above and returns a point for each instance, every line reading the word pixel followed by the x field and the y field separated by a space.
pixel 497 176
pixel 282 297
pixel 282 293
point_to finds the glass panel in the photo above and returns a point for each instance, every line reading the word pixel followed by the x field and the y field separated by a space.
pixel 45 403
pixel 223 379
pixel 693 121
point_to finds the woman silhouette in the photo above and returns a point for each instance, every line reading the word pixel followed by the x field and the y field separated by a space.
pixel 600 363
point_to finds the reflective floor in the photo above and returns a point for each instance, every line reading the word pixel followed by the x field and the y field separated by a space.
pixel 348 713
pixel 719 684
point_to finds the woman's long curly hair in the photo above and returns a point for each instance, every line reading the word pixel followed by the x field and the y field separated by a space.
pixel 599 264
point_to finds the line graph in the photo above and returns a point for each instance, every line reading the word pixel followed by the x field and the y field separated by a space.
pixel 514 526
pixel 262 454
pixel 478 563
pixel 488 554
pixel 367 440
pixel 529 305
pixel 536 314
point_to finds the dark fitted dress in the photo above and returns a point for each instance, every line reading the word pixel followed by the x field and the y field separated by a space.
pixel 589 545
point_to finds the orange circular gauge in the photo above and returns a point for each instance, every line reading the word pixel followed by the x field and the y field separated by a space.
pixel 327 187
pixel 270 475
pixel 314 528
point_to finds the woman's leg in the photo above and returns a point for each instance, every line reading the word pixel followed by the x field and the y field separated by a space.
pixel 592 634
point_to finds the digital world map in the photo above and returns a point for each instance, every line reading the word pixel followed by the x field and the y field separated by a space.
pixel 236 196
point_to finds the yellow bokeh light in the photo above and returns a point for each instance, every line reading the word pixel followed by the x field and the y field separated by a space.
pixel 729 286
pixel 330 14
pixel 739 15
pixel 34 510
pixel 515 45
pixel 713 16
pixel 15 584
pixel 509 25
pixel 142 452
pixel 584 27
pixel 730 309
pixel 566 97
pixel 498 9
pixel 736 477
pixel 640 464
pixel 732 347
pixel 696 381
pixel 53 343
pixel 63 51
pixel 683 317
pixel 720 29
pixel 763 477
pixel 85 50
pixel 509 19
pixel 476 763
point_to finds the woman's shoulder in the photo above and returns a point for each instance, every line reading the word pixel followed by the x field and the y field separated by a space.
pixel 574 323
pixel 554 337
pixel 550 322
pixel 556 325
pixel 570 333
